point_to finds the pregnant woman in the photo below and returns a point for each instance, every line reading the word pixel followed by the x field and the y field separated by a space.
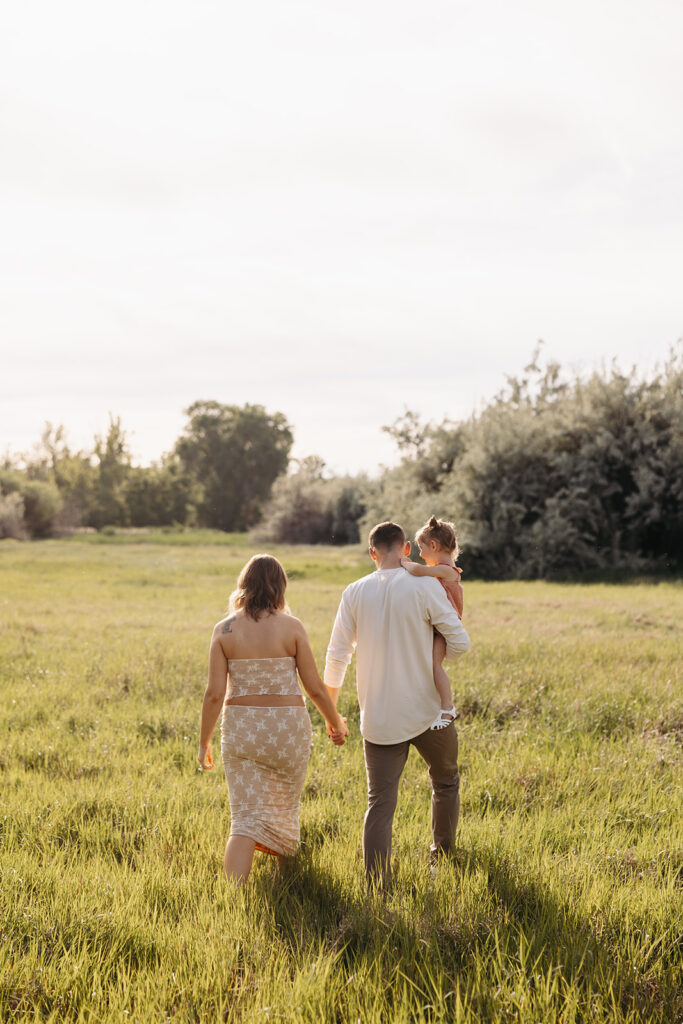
pixel 266 734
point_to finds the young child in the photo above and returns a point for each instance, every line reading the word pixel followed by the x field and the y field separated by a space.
pixel 438 546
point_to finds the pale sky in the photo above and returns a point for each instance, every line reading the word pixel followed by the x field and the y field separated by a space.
pixel 333 210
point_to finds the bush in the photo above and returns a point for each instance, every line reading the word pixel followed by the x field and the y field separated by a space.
pixel 553 477
pixel 40 502
pixel 306 508
pixel 12 516
pixel 159 495
pixel 42 505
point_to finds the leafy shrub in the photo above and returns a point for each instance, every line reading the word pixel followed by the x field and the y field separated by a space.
pixel 307 508
pixel 12 516
pixel 42 505
pixel 159 495
pixel 553 477
pixel 40 502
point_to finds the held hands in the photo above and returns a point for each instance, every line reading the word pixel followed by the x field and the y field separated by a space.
pixel 338 736
pixel 408 565
pixel 205 758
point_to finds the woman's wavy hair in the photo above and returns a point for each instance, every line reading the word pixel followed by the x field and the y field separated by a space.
pixel 260 588
pixel 442 532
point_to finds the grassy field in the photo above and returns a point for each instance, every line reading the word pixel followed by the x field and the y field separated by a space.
pixel 564 901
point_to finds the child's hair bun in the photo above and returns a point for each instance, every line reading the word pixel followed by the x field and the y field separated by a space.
pixel 442 532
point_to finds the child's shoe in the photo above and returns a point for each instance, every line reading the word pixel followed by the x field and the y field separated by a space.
pixel 445 718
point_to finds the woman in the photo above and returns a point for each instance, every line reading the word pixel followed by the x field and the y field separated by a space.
pixel 266 734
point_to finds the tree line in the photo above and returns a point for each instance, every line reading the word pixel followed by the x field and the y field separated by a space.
pixel 218 474
pixel 557 474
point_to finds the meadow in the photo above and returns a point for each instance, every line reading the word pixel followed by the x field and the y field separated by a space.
pixel 562 905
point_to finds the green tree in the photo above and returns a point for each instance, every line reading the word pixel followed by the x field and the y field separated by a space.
pixel 112 466
pixel 159 495
pixel 73 473
pixel 234 454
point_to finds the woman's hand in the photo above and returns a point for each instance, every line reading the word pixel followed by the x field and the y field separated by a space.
pixel 205 757
pixel 408 565
pixel 337 732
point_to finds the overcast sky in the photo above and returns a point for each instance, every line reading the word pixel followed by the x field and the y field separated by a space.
pixel 333 210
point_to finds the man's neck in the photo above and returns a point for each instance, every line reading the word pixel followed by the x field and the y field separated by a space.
pixel 391 560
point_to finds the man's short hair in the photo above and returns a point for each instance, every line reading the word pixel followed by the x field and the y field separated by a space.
pixel 386 536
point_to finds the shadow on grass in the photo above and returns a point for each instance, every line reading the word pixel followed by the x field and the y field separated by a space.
pixel 522 930
pixel 373 941
pixel 558 940
pixel 310 904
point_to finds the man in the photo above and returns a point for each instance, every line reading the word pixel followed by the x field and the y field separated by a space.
pixel 390 616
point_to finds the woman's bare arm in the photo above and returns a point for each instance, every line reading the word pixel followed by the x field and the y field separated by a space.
pixel 316 689
pixel 214 695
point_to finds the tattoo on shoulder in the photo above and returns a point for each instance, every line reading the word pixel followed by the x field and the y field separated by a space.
pixel 227 625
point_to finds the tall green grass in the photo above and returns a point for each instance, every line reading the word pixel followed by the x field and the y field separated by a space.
pixel 563 903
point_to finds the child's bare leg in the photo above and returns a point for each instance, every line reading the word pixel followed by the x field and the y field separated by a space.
pixel 441 680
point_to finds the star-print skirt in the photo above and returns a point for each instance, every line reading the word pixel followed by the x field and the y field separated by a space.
pixel 265 753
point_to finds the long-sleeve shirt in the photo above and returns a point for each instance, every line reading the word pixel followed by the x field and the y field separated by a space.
pixel 390 618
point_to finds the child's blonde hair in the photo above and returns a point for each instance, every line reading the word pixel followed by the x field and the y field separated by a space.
pixel 442 532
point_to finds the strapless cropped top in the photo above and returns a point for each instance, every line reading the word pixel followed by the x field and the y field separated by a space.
pixel 249 677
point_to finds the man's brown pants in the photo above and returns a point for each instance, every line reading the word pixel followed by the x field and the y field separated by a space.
pixel 384 765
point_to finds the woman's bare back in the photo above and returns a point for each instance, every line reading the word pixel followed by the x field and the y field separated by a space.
pixel 270 636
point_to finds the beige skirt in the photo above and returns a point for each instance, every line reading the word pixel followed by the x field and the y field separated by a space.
pixel 265 753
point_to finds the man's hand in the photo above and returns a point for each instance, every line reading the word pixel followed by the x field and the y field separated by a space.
pixel 205 758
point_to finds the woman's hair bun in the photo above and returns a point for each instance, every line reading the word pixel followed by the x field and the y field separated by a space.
pixel 433 522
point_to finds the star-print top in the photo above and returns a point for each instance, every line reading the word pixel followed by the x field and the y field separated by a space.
pixel 251 676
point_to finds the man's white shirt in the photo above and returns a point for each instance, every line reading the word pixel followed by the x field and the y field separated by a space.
pixel 389 617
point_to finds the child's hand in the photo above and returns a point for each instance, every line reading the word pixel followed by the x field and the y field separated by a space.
pixel 408 565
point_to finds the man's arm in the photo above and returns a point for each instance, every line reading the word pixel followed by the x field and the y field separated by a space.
pixel 444 618
pixel 341 646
